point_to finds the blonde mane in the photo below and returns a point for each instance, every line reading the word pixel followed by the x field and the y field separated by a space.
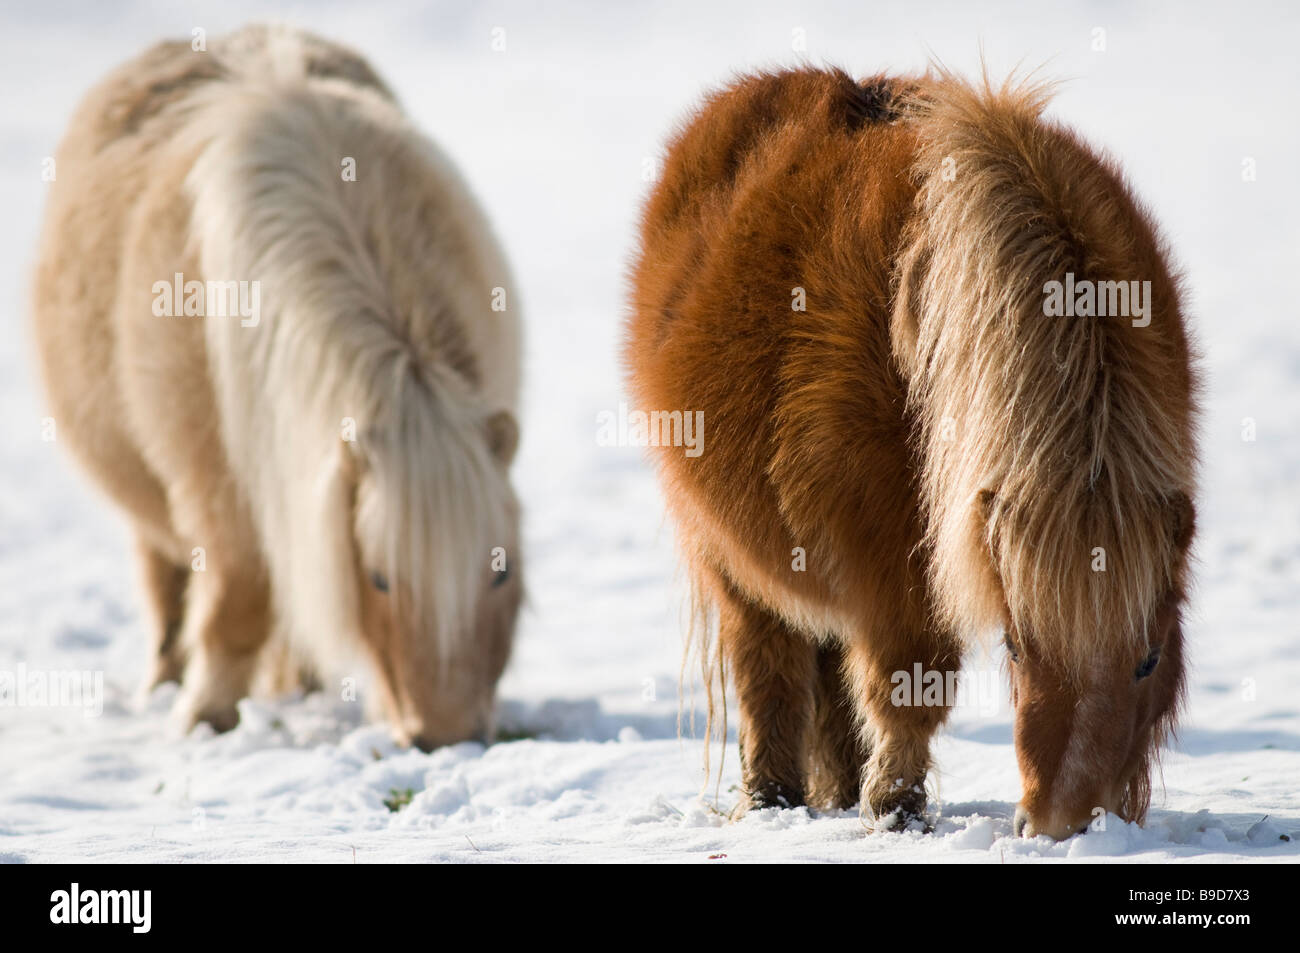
pixel 1049 443
pixel 363 295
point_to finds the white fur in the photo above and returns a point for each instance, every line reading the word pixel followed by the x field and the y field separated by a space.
pixel 344 333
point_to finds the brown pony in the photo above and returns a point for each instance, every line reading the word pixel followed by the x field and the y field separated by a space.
pixel 921 428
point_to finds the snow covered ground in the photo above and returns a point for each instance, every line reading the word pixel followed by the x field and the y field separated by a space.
pixel 553 132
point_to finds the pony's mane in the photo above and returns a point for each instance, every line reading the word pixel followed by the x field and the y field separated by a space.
pixel 361 293
pixel 1044 439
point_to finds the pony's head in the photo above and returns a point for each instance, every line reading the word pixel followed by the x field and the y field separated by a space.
pixel 1089 725
pixel 433 535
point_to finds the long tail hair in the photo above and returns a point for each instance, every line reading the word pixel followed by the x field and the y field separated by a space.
pixel 354 328
pixel 1048 444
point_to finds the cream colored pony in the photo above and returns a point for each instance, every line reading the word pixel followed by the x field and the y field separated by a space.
pixel 277 330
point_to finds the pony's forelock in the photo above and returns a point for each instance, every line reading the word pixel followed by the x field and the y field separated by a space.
pixel 437 501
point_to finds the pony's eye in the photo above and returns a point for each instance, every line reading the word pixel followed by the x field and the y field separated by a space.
pixel 1011 648
pixel 501 578
pixel 1149 664
pixel 379 581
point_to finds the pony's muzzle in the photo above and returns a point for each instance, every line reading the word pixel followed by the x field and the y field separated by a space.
pixel 427 741
pixel 1021 826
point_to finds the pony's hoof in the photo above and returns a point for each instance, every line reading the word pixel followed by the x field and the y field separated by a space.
pixel 902 810
pixel 898 821
pixel 161 671
pixel 769 794
pixel 189 711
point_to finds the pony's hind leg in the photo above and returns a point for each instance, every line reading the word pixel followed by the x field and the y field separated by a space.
pixel 164 585
pixel 893 788
pixel 837 749
pixel 772 667
pixel 227 622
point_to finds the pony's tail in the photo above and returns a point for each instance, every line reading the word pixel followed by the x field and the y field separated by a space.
pixel 1050 446
pixel 704 649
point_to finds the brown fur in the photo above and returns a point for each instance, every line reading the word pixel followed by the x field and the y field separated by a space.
pixel 828 429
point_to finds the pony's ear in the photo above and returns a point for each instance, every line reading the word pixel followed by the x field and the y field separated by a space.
pixel 1182 519
pixel 503 436
pixel 986 501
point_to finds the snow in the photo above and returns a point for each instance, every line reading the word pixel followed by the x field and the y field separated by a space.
pixel 554 134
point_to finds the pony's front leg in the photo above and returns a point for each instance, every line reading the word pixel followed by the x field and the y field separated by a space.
pixel 838 750
pixel 164 585
pixel 226 624
pixel 773 668
pixel 902 714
